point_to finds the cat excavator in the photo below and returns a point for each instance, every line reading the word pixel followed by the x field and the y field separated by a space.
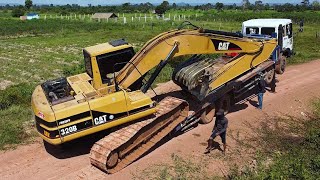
pixel 112 93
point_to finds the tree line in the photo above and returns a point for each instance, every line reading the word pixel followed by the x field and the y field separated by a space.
pixel 160 9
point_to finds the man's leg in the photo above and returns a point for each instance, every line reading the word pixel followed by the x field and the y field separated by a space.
pixel 260 99
pixel 210 141
pixel 273 83
pixel 224 142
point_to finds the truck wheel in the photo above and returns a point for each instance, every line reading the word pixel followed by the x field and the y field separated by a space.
pixel 269 76
pixel 281 66
pixel 208 115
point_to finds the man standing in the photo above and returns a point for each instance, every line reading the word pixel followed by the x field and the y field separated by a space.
pixel 219 129
pixel 301 25
pixel 261 90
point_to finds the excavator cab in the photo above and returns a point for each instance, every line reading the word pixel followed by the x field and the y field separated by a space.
pixel 103 60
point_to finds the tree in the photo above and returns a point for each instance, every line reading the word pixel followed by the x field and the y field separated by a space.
pixel 162 8
pixel 316 5
pixel 28 4
pixel 245 4
pixel 258 5
pixel 174 6
pixel 267 6
pixel 165 4
pixel 17 12
pixel 219 6
pixel 305 2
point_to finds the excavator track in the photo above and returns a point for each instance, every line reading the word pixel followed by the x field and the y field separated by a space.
pixel 122 147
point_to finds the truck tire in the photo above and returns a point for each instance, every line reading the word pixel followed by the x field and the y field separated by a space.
pixel 269 76
pixel 208 115
pixel 281 66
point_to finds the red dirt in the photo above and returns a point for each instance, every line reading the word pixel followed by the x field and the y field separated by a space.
pixel 299 85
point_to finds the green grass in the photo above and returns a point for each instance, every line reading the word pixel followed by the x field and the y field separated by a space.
pixel 305 44
pixel 292 150
pixel 15 114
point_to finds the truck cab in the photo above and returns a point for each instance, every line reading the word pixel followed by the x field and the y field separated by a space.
pixel 277 28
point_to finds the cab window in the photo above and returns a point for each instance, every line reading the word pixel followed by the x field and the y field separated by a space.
pixel 284 31
pixel 252 30
pixel 87 63
pixel 289 30
pixel 113 62
pixel 267 31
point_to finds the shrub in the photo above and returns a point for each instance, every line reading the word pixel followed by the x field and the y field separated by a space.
pixel 17 12
pixel 19 94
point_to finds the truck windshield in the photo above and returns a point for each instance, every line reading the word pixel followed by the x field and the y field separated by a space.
pixel 87 63
pixel 267 31
pixel 252 30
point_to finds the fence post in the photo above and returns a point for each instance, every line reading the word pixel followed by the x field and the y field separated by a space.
pixel 145 17
pixel 124 20
pixel 132 19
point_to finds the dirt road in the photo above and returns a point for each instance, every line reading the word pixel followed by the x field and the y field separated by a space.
pixel 299 85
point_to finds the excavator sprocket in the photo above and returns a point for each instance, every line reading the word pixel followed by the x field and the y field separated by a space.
pixel 122 147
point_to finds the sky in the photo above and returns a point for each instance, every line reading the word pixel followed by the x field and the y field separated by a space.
pixel 104 2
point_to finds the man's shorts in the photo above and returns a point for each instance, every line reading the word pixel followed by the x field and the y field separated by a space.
pixel 222 135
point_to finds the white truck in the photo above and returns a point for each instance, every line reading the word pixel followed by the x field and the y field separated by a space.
pixel 277 28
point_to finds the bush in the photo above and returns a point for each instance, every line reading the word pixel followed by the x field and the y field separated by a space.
pixel 73 70
pixel 16 95
pixel 17 12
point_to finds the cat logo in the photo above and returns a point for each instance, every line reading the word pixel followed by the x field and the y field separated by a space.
pixel 223 46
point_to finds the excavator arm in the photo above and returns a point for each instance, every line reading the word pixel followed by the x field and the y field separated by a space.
pixel 176 43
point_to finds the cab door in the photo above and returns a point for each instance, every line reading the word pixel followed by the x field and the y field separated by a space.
pixel 285 37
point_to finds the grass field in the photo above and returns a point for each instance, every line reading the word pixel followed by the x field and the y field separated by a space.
pixel 34 51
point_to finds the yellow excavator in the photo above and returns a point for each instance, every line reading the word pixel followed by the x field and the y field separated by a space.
pixel 112 91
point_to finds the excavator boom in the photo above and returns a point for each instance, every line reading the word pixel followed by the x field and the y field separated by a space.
pixel 253 52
